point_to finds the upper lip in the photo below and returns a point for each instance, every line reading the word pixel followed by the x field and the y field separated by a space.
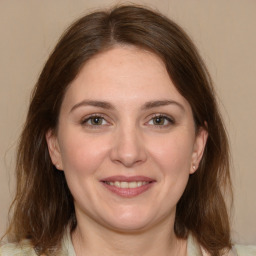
pixel 127 178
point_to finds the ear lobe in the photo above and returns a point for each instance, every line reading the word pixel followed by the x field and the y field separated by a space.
pixel 198 151
pixel 54 150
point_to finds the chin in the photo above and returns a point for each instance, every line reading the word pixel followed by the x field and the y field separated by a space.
pixel 129 226
pixel 129 220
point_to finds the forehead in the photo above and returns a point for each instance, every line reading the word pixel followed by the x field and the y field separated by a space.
pixel 123 74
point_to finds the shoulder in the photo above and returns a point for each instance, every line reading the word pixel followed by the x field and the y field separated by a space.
pixel 194 249
pixel 17 249
pixel 245 250
pixel 25 248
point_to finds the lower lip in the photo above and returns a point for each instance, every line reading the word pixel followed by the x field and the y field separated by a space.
pixel 128 192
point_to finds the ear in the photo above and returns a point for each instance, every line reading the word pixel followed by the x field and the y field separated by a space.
pixel 54 149
pixel 198 150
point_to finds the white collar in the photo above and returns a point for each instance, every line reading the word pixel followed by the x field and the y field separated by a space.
pixel 193 247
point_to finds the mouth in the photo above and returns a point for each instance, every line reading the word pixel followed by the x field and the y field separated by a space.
pixel 128 186
pixel 124 184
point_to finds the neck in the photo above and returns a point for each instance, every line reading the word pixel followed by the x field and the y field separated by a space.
pixel 94 239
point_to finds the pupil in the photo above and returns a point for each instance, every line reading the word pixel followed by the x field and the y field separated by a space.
pixel 158 120
pixel 96 120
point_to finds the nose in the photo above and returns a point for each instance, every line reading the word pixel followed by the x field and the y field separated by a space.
pixel 128 147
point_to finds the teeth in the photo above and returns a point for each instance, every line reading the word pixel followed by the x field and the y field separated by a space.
pixel 117 184
pixel 133 184
pixel 124 184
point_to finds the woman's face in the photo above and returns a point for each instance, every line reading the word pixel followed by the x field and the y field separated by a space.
pixel 126 141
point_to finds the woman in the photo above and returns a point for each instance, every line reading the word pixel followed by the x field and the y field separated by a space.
pixel 123 151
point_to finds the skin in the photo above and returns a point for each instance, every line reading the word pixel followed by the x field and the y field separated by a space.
pixel 126 137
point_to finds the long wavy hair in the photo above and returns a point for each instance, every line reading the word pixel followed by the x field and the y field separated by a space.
pixel 43 206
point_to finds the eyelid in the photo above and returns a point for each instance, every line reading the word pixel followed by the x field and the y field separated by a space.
pixel 85 119
pixel 170 119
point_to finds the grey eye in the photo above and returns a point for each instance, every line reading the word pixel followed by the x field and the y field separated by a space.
pixel 159 120
pixel 96 120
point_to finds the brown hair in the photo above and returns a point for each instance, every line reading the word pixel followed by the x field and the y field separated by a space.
pixel 43 206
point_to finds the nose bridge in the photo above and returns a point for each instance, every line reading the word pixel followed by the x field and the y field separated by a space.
pixel 128 147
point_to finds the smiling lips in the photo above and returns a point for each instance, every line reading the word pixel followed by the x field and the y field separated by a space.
pixel 128 186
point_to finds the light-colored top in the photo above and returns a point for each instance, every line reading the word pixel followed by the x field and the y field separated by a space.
pixel 67 249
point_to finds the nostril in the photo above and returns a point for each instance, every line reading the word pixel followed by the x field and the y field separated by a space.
pixel 128 148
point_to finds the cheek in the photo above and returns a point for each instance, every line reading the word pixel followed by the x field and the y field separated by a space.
pixel 171 158
pixel 172 154
pixel 82 154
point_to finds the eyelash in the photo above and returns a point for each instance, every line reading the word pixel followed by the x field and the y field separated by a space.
pixel 85 122
pixel 165 117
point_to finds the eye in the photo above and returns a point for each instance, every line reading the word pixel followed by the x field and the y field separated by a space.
pixel 94 121
pixel 161 120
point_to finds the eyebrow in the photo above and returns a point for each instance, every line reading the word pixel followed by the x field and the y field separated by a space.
pixel 107 105
pixel 94 103
pixel 159 103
